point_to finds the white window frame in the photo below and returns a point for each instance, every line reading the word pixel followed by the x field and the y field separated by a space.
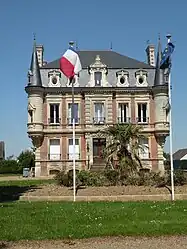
pixel 101 117
pixel 55 111
pixel 147 112
pixel 143 151
pixel 57 155
pixel 122 118
pixel 70 119
pixel 77 149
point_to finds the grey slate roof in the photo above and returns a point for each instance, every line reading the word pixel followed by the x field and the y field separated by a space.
pixel 179 154
pixel 159 76
pixel 35 77
pixel 110 58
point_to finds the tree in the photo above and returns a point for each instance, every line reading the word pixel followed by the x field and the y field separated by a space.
pixel 26 159
pixel 123 143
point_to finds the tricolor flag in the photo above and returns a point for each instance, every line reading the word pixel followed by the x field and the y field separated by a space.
pixel 70 63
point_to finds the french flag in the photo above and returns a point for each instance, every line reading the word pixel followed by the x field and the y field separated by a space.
pixel 70 63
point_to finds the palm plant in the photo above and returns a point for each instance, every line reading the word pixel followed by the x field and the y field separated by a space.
pixel 123 143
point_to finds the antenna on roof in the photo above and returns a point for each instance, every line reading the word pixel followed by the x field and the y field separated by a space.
pixel 110 45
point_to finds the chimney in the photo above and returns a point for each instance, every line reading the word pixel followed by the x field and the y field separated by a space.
pixel 150 50
pixel 40 51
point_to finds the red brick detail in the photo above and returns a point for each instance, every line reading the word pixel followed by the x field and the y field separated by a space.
pixel 114 118
pixel 133 110
pixel 44 149
pixel 83 150
pixel 45 113
pixel 82 110
pixel 63 111
pixel 64 149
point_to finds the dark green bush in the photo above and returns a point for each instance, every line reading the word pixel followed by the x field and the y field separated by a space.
pixel 179 178
pixel 112 176
pixel 9 167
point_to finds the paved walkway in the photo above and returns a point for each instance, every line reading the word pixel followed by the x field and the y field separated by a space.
pixel 18 178
pixel 174 242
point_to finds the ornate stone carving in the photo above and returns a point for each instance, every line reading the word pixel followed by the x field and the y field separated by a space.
pixel 141 78
pixel 98 72
pixel 37 140
pixel 161 139
pixel 54 78
pixel 122 78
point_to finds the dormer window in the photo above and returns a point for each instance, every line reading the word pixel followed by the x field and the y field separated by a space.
pixel 54 78
pixel 98 73
pixel 97 78
pixel 141 78
pixel 122 78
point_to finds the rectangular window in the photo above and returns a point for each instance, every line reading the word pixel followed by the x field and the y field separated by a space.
pixel 123 113
pixel 142 113
pixel 54 114
pixel 54 149
pixel 97 78
pixel 70 113
pixel 99 113
pixel 31 116
pixel 77 149
pixel 144 148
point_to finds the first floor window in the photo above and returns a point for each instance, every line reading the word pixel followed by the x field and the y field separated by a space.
pixel 99 114
pixel 142 113
pixel 144 148
pixel 54 149
pixel 123 113
pixel 70 113
pixel 54 114
pixel 77 149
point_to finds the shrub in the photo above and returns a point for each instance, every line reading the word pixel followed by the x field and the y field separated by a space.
pixel 179 178
pixel 112 176
pixel 9 167
pixel 84 177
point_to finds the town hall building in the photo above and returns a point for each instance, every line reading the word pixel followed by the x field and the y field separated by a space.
pixel 111 88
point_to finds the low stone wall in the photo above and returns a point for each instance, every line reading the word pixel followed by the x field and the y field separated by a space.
pixel 123 198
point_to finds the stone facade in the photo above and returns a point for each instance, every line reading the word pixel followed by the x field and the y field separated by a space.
pixel 105 93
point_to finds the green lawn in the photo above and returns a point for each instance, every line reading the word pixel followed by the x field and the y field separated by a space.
pixel 26 182
pixel 55 220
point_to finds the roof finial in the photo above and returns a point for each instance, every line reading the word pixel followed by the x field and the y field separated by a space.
pixel 168 37
pixel 159 36
pixel 71 43
pixel 110 45
pixel 34 36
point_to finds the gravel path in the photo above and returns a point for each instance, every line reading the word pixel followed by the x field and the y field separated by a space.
pixel 174 242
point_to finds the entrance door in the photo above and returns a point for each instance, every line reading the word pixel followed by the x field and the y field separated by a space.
pixel 99 145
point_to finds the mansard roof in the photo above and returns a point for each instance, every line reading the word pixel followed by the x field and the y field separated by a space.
pixel 110 58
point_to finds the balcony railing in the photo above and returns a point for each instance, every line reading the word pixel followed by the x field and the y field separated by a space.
pixel 54 157
pixel 70 121
pixel 54 121
pixel 99 120
pixel 71 155
pixel 124 120
pixel 142 120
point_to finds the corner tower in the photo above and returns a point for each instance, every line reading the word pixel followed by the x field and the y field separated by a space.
pixel 34 90
pixel 160 94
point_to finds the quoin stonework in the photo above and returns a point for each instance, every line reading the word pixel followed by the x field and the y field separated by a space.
pixel 111 88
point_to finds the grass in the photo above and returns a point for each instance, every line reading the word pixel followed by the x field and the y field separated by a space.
pixel 26 183
pixel 58 220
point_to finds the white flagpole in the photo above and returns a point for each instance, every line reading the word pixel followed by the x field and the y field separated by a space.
pixel 73 124
pixel 171 131
pixel 73 119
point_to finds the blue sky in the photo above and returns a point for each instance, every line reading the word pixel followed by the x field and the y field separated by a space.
pixel 128 24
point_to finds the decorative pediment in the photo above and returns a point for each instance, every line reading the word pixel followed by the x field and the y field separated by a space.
pixel 98 72
pixel 54 78
pixel 75 81
pixel 122 78
pixel 141 78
